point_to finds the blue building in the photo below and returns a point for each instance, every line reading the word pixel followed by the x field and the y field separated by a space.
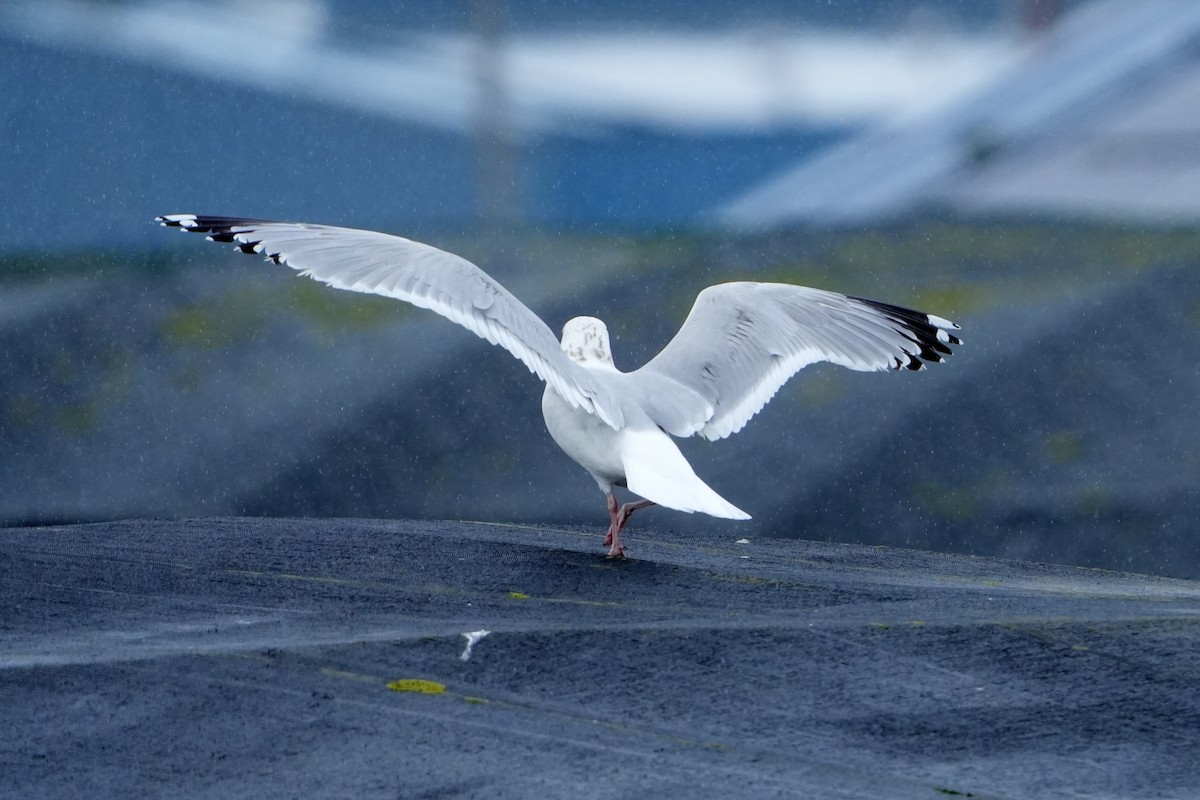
pixel 433 115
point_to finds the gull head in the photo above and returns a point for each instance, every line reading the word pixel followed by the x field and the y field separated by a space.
pixel 585 341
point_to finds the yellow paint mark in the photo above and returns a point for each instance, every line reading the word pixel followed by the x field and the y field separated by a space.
pixel 422 686
pixel 518 596
pixel 916 623
pixel 417 685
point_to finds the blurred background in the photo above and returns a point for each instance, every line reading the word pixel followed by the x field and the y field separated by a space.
pixel 1029 168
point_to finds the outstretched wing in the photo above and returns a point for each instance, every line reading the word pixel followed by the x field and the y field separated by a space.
pixel 378 263
pixel 742 341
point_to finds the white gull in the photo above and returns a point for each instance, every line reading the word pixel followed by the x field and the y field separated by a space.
pixel 738 346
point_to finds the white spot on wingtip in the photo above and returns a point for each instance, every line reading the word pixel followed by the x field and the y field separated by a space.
pixel 472 637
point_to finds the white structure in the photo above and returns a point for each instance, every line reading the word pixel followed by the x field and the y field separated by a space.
pixel 1099 122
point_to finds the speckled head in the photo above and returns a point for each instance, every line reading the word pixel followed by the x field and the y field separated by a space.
pixel 585 340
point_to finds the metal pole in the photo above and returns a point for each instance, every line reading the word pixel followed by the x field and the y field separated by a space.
pixel 498 194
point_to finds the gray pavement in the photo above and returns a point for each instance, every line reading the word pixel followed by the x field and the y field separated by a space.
pixel 323 658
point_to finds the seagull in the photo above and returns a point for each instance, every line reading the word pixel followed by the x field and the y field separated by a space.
pixel 739 344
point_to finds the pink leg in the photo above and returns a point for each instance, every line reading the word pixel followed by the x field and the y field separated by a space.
pixel 618 517
pixel 612 517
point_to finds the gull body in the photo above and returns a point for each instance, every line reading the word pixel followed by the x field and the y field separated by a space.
pixel 638 456
pixel 741 342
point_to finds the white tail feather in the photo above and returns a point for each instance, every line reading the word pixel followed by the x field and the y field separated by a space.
pixel 656 470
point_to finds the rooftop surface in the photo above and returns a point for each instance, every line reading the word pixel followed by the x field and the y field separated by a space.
pixel 241 657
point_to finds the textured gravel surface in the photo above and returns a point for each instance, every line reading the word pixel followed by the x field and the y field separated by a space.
pixel 305 658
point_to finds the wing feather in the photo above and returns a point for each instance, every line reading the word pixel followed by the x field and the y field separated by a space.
pixel 743 341
pixel 378 263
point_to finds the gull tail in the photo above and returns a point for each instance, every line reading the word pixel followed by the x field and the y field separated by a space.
pixel 656 470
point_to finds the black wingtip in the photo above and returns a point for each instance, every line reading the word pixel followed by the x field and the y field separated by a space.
pixel 238 231
pixel 927 333
pixel 201 223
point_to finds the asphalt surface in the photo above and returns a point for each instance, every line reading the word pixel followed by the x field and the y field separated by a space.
pixel 324 658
